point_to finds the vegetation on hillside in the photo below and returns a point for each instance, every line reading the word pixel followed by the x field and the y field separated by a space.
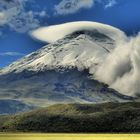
pixel 106 117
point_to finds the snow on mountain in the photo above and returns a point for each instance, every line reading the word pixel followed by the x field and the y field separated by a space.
pixel 61 71
pixel 81 49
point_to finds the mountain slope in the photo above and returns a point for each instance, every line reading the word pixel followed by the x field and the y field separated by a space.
pixel 60 72
pixel 58 86
pixel 107 117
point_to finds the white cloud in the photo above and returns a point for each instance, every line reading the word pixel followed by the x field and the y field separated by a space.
pixel 56 32
pixel 72 6
pixel 121 69
pixel 11 54
pixel 14 14
pixel 24 22
pixel 110 4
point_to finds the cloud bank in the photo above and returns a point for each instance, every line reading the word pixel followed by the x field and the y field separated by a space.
pixel 121 69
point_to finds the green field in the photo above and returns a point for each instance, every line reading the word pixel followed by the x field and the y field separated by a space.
pixel 69 137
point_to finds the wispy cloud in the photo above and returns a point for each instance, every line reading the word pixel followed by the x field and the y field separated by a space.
pixel 11 54
pixel 110 4
pixel 66 7
pixel 72 6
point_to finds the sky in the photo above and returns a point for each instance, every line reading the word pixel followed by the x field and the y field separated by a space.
pixel 19 17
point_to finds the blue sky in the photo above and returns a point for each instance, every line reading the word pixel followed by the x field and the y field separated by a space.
pixel 19 17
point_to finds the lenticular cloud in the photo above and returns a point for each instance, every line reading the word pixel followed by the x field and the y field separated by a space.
pixel 121 68
pixel 53 33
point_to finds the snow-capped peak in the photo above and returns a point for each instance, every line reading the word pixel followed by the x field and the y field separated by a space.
pixel 81 49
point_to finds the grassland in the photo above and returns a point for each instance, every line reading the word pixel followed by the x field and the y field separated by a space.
pixel 77 118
